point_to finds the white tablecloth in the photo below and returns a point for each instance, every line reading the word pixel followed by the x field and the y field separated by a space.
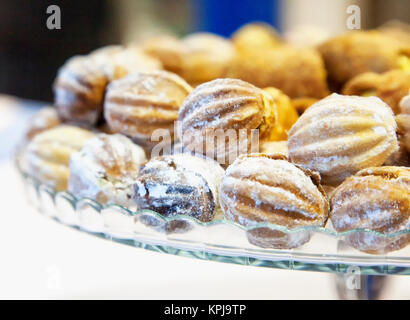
pixel 40 258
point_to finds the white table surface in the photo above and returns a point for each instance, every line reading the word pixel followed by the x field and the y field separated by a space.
pixel 41 259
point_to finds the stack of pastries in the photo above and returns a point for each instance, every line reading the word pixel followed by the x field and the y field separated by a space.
pixel 322 133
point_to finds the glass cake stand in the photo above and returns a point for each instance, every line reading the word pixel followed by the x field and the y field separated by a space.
pixel 359 275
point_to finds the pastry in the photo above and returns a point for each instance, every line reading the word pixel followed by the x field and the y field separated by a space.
pixel 378 199
pixel 207 57
pixel 275 147
pixel 179 184
pixel 79 90
pixel 105 169
pixel 219 118
pixel 287 114
pixel 390 86
pixel 169 50
pixel 44 119
pixel 47 155
pixel 399 158
pixel 118 61
pixel 260 188
pixel 353 53
pixel 141 103
pixel 298 72
pixel 340 135
pixel 403 121
pixel 256 37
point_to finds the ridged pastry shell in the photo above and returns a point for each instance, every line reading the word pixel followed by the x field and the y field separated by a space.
pixel 105 169
pixel 340 135
pixel 376 198
pixel 138 104
pixel 267 188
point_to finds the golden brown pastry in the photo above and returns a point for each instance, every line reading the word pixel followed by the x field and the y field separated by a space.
pixel 179 184
pixel 48 154
pixel 117 61
pixel 353 53
pixel 396 29
pixel 297 72
pixel 79 90
pixel 169 50
pixel 267 188
pixel 218 118
pixel 403 121
pixel 340 135
pixel 207 57
pixel 141 103
pixel 401 157
pixel 378 199
pixel 105 169
pixel 256 37
pixel 274 147
pixel 390 86
pixel 287 114
pixel 44 119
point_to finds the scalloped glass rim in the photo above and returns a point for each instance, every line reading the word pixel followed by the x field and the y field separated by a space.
pixel 301 258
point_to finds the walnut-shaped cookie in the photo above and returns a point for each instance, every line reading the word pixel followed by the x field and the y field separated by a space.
pixel 141 103
pixel 274 147
pixel 260 188
pixel 168 49
pixel 42 120
pixel 353 53
pixel 117 61
pixel 79 90
pixel 207 57
pixel 287 114
pixel 378 199
pixel 47 155
pixel 403 121
pixel 223 118
pixel 180 184
pixel 340 135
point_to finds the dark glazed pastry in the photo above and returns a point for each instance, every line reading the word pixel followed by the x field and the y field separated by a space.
pixel 179 184
pixel 378 199
pixel 261 188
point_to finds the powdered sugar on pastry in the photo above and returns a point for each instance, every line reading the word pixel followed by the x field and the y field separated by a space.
pixel 105 169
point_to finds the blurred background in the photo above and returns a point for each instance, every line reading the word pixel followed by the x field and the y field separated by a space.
pixel 30 54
